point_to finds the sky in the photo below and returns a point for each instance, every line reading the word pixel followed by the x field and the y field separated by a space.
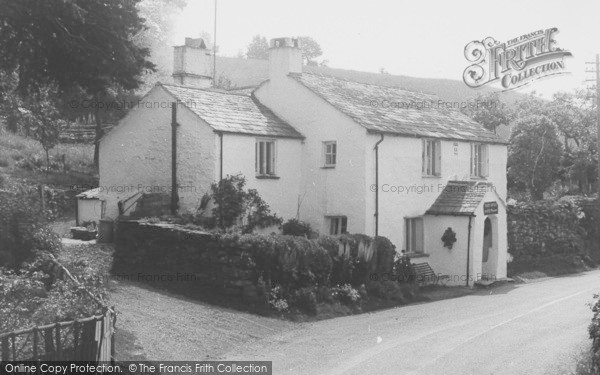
pixel 412 38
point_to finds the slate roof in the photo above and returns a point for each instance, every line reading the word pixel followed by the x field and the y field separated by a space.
pixel 407 113
pixel 460 198
pixel 232 113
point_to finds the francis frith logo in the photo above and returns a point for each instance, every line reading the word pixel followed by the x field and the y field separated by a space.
pixel 516 62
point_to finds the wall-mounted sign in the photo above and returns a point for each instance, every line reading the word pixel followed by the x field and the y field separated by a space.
pixel 490 208
pixel 455 148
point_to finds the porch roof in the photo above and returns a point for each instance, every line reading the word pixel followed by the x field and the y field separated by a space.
pixel 460 198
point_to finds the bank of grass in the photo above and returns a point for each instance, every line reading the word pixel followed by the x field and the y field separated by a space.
pixel 23 165
pixel 14 148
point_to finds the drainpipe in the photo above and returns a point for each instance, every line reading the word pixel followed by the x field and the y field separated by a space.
pixel 469 248
pixel 174 190
pixel 220 156
pixel 376 148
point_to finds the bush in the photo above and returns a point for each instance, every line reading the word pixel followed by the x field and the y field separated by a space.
pixel 386 290
pixel 234 205
pixel 31 296
pixel 347 295
pixel 23 231
pixel 3 162
pixel 294 227
pixel 305 300
pixel 594 332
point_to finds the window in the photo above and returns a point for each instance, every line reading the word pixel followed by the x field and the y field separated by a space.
pixel 330 151
pixel 265 157
pixel 338 225
pixel 432 157
pixel 414 235
pixel 479 160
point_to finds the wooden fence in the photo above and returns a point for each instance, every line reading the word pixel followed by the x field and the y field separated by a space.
pixel 88 339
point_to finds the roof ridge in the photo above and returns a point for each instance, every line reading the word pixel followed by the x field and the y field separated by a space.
pixel 206 89
pixel 363 83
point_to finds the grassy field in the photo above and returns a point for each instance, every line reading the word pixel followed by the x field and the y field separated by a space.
pixel 23 161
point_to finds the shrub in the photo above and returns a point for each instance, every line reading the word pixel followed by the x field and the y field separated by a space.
pixel 23 231
pixel 305 300
pixel 347 295
pixel 594 332
pixel 294 227
pixel 234 204
pixel 387 290
pixel 31 296
pixel 3 162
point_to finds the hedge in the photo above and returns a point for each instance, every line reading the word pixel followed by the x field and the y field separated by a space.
pixel 254 267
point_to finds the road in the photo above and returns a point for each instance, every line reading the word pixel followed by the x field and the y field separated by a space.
pixel 534 328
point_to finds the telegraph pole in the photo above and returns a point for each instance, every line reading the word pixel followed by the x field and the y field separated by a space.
pixel 215 49
pixel 597 71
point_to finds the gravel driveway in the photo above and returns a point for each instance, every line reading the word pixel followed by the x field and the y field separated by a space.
pixel 158 325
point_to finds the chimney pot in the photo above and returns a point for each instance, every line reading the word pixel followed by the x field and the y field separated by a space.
pixel 285 57
pixel 192 64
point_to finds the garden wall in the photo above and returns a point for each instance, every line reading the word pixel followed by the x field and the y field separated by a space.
pixel 247 266
pixel 553 237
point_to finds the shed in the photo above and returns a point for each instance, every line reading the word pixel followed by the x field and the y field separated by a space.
pixel 89 207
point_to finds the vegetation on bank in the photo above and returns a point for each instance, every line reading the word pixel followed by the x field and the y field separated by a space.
pixel 30 293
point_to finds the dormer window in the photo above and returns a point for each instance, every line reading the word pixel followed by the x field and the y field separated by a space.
pixel 432 158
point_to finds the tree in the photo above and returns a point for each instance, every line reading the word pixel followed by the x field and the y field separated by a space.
pixel 45 120
pixel 258 48
pixel 85 44
pixel 534 154
pixel 159 19
pixel 310 49
pixel 489 111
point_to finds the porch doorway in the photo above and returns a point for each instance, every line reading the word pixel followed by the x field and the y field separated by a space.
pixel 488 255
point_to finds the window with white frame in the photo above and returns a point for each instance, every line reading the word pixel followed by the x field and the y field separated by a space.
pixel 414 234
pixel 265 157
pixel 479 160
pixel 337 225
pixel 330 153
pixel 432 157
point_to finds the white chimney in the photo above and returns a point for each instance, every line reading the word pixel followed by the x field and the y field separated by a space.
pixel 192 64
pixel 285 57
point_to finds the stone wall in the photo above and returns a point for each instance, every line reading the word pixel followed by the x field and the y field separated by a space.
pixel 553 237
pixel 181 260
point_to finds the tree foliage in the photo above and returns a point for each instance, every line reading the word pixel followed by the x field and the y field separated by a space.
pixel 310 49
pixel 489 111
pixel 82 46
pixel 534 154
pixel 258 48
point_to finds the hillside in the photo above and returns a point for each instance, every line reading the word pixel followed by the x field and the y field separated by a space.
pixel 251 72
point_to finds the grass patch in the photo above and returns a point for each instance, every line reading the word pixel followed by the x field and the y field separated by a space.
pixel 15 148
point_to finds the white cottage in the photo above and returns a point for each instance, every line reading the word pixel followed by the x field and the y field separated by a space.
pixel 341 155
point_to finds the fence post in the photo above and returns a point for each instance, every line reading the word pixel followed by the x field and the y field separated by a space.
pixel 58 343
pixel 4 356
pixel 35 343
pixel 42 196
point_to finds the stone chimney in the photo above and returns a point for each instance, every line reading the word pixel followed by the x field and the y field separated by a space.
pixel 193 64
pixel 285 57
